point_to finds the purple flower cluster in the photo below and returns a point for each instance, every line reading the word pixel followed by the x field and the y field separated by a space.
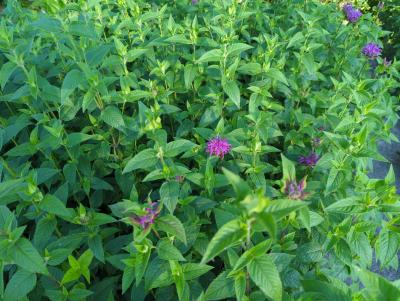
pixel 294 190
pixel 179 179
pixel 194 2
pixel 310 160
pixel 371 50
pixel 352 13
pixel 148 219
pixel 386 62
pixel 218 147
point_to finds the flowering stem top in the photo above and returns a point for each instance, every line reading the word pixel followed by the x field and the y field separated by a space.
pixel 218 147
pixel 352 13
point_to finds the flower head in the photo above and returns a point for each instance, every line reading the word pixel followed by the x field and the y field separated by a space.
pixel 218 147
pixel 386 62
pixel 194 2
pixel 371 50
pixel 294 190
pixel 381 5
pixel 145 221
pixel 352 14
pixel 310 160
pixel 316 141
pixel 180 179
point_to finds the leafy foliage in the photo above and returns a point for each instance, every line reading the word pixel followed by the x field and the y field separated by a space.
pixel 108 193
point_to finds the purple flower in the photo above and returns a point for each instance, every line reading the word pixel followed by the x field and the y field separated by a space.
pixel 148 219
pixel 294 190
pixel 180 179
pixel 316 141
pixel 194 2
pixel 371 50
pixel 352 14
pixel 386 62
pixel 310 160
pixel 218 147
pixel 381 5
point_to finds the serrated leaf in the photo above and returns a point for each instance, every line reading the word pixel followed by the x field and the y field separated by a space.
pixel 113 117
pixel 288 169
pixel 6 70
pixel 265 275
pixel 277 75
pixel 27 257
pixel 177 147
pixel 195 270
pixel 167 251
pixel 232 90
pixel 53 205
pixel 240 187
pixel 237 49
pixel 252 253
pixel 228 235
pixel 172 225
pixel 214 55
pixel 21 283
pixel 169 195
pixel 145 159
pixel 221 288
pixel 71 81
pixel 282 207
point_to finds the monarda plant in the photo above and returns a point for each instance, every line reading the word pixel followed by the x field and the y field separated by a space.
pixel 194 150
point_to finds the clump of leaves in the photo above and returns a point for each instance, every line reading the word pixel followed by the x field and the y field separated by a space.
pixel 193 150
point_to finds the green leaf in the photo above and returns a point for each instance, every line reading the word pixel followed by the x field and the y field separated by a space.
pixel 228 235
pixel 250 69
pixel 177 147
pixel 265 275
pixel 277 75
pixel 127 278
pixel 214 55
pixel 325 291
pixel 377 287
pixel 167 251
pixel 297 38
pixel 240 286
pixel 169 194
pixel 237 49
pixel 70 83
pixel 138 94
pixel 21 283
pixel 11 186
pixel 349 205
pixel 190 72
pixel 386 246
pixel 6 70
pixel 77 138
pixel 113 117
pixel 221 288
pixel 343 252
pixel 282 207
pixel 178 276
pixel 170 224
pixel 252 253
pixel 241 188
pixel 86 258
pixel 79 294
pixel 195 270
pixel 232 90
pixel 25 255
pixel 145 159
pixel 53 205
pixel 288 169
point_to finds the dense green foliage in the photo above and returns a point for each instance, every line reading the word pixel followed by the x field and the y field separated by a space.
pixel 107 106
